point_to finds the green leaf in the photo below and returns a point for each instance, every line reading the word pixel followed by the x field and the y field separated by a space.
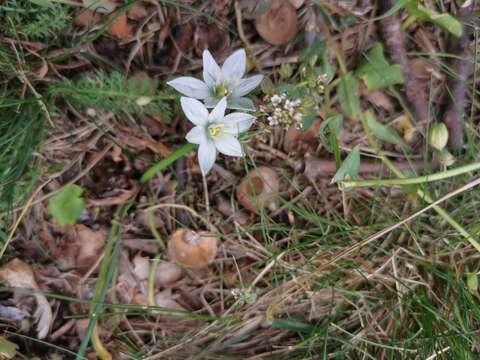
pixel 331 125
pixel 8 349
pixel 67 205
pixel 445 20
pixel 42 3
pixel 377 72
pixel 310 113
pixel 350 166
pixel 348 95
pixel 381 131
pixel 472 282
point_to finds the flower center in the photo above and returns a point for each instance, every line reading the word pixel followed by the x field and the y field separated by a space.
pixel 220 90
pixel 214 130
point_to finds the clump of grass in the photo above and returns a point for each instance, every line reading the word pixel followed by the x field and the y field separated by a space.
pixel 34 21
pixel 112 92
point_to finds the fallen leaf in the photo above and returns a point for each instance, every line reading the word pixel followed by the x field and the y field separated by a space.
pixel 166 299
pixel 67 204
pixel 86 18
pixel 119 27
pixel 137 11
pixel 18 274
pixel 100 6
pixel 405 125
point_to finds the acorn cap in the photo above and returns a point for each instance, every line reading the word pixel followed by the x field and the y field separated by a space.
pixel 192 249
pixel 259 189
pixel 279 24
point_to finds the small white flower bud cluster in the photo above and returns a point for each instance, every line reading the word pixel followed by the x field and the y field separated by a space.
pixel 282 111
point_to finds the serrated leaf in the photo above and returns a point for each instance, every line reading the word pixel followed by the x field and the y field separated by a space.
pixel 381 131
pixel 8 349
pixel 67 205
pixel 377 72
pixel 350 166
pixel 332 124
pixel 348 95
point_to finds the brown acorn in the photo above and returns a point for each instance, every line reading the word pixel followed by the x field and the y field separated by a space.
pixel 279 24
pixel 259 189
pixel 192 249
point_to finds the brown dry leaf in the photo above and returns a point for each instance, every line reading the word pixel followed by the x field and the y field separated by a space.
pixel 121 196
pixel 379 99
pixel 166 299
pixel 80 247
pixel 18 274
pixel 213 38
pixel 120 27
pixel 138 11
pixel 86 18
pixel 279 24
pixel 166 273
pixel 294 137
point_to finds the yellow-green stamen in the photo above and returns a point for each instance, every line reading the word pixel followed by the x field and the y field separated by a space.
pixel 214 130
pixel 220 90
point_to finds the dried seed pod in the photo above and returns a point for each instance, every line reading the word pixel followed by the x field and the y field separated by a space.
pixel 279 24
pixel 192 249
pixel 259 189
pixel 438 135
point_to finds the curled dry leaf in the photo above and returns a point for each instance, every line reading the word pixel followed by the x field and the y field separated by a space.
pixel 192 249
pixel 18 274
pixel 213 38
pixel 165 274
pixel 406 127
pixel 295 138
pixel 166 299
pixel 279 24
pixel 80 247
pixel 86 18
pixel 137 11
pixel 120 27
pixel 259 190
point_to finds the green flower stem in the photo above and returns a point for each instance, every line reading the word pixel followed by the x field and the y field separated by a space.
pixel 348 184
pixel 162 164
pixel 422 194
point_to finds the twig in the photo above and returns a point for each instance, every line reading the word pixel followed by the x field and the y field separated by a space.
pixel 456 94
pixel 395 41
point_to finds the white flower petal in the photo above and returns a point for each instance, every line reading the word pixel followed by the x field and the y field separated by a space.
pixel 211 70
pixel 218 112
pixel 211 101
pixel 247 85
pixel 241 103
pixel 197 135
pixel 194 110
pixel 234 65
pixel 229 145
pixel 237 122
pixel 190 86
pixel 207 153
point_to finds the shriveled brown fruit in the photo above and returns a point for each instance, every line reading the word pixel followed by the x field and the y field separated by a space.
pixel 192 249
pixel 279 24
pixel 259 189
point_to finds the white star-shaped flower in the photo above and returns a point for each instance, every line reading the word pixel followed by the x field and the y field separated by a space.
pixel 217 83
pixel 214 131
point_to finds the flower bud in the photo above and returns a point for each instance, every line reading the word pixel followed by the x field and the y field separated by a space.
pixel 445 158
pixel 438 136
pixel 285 71
pixel 143 101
